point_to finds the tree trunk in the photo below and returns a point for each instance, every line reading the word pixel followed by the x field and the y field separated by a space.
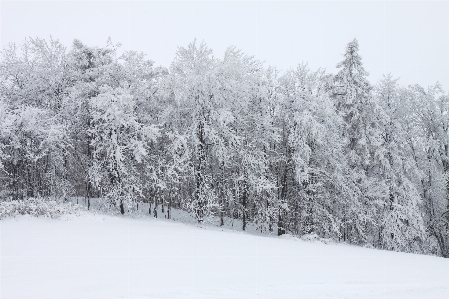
pixel 169 206
pixel 122 210
pixel 244 202
pixel 222 199
pixel 155 208
pixel 199 175
pixel 281 228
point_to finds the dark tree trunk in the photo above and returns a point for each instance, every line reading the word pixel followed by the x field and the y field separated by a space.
pixel 281 229
pixel 199 175
pixel 244 203
pixel 222 199
pixel 169 206
pixel 155 208
pixel 122 210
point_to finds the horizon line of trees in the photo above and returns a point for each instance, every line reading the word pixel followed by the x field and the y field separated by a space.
pixel 303 152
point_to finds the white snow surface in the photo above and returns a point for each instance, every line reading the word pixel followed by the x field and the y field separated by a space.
pixel 102 256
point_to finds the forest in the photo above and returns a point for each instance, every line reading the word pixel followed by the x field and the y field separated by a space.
pixel 299 151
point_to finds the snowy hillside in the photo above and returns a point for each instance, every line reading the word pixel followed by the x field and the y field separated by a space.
pixel 98 256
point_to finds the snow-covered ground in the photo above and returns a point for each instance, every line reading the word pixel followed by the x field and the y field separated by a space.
pixel 100 256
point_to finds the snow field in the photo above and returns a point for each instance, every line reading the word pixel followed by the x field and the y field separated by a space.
pixel 100 256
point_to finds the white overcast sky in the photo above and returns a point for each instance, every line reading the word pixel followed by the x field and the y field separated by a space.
pixel 408 39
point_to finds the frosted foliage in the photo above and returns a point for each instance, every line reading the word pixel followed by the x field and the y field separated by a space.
pixel 44 207
pixel 119 141
pixel 402 225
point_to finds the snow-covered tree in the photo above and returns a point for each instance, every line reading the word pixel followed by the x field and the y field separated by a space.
pixel 34 74
pixel 427 134
pixel 314 172
pixel 119 142
pixel 33 150
pixel 34 137
pixel 222 106
pixel 193 85
pixel 353 101
pixel 401 226
pixel 251 92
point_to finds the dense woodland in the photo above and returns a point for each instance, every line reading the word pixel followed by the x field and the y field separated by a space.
pixel 299 151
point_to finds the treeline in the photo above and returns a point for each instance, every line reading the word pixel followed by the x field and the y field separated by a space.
pixel 303 152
